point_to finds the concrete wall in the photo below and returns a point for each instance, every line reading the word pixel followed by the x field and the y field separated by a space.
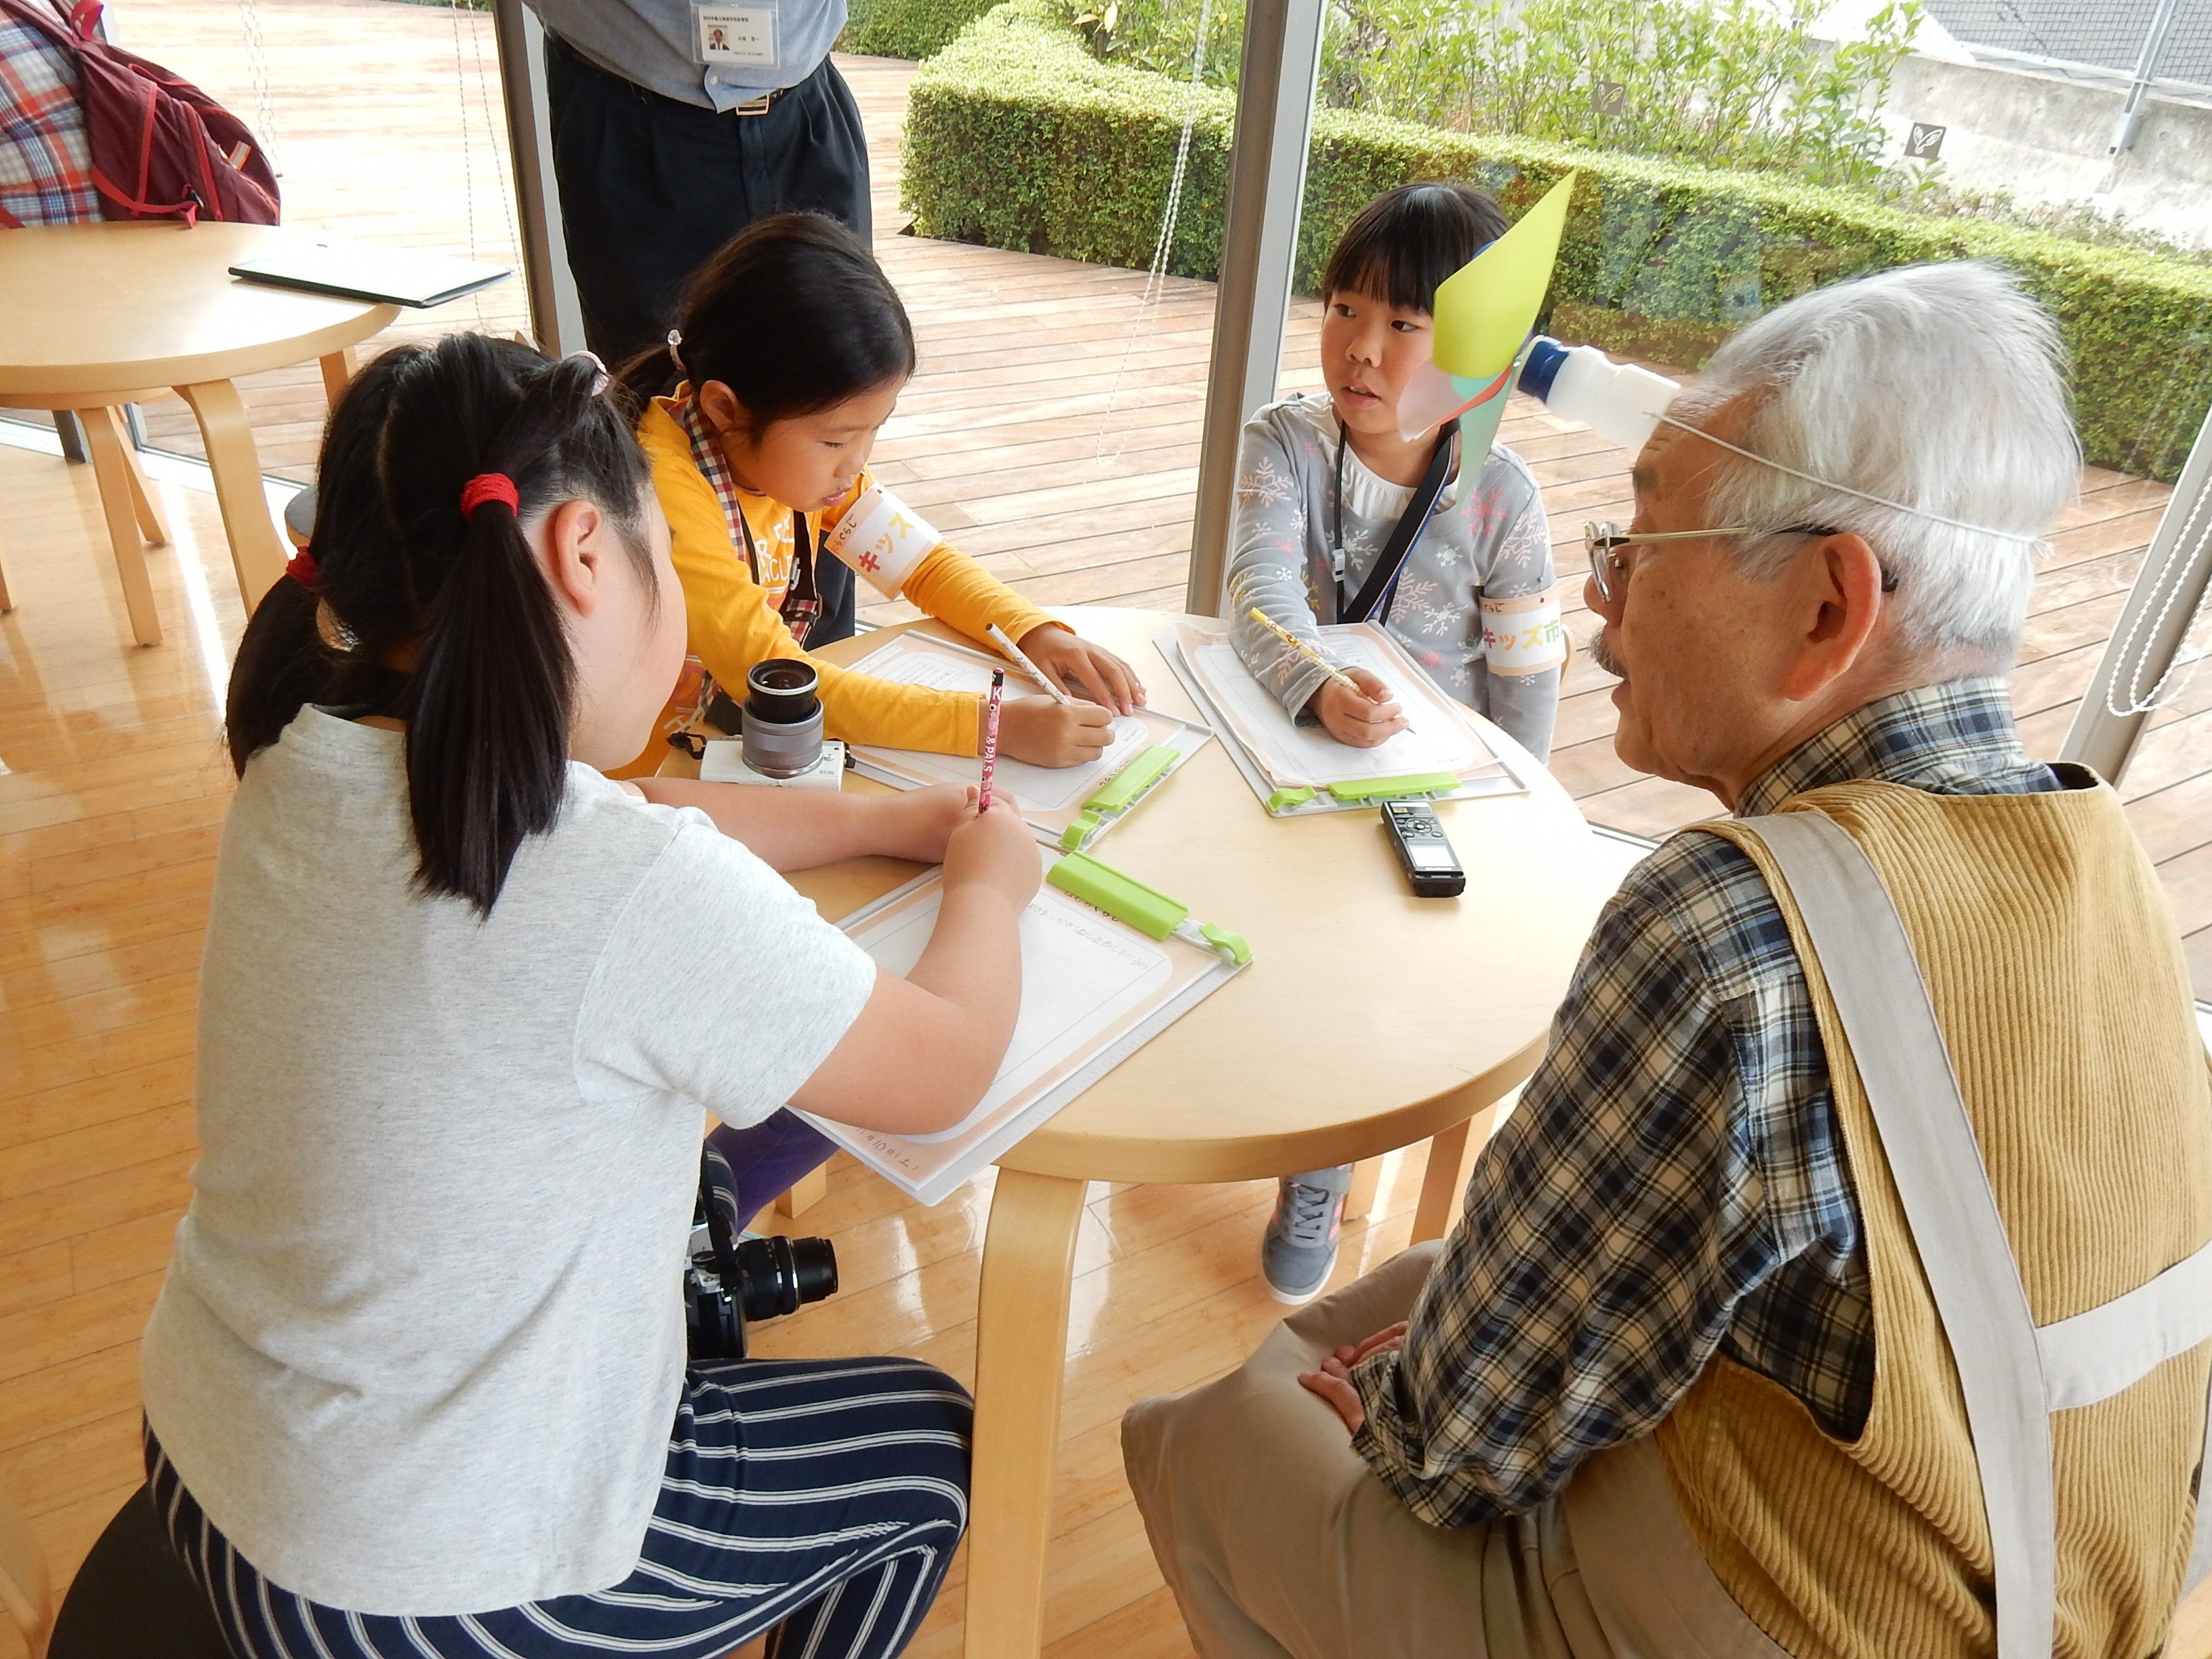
pixel 2042 139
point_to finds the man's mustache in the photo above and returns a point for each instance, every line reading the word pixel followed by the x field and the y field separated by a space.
pixel 1601 651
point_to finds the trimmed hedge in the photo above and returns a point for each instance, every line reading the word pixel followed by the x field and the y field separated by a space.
pixel 906 29
pixel 1017 137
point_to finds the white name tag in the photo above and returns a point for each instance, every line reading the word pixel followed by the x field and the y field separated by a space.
pixel 1523 636
pixel 883 538
pixel 735 34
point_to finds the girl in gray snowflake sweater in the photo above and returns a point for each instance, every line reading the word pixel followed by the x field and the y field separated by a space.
pixel 1323 480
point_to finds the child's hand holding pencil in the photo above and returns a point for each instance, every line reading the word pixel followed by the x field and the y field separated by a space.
pixel 1353 704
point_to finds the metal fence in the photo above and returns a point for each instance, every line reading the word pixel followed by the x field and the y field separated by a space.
pixel 2108 36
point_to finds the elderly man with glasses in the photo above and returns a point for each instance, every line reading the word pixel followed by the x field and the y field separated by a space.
pixel 1841 1286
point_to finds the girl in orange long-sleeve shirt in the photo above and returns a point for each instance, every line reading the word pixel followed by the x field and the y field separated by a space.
pixel 791 350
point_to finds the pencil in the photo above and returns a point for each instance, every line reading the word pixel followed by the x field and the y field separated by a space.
pixel 991 737
pixel 1304 649
pixel 999 638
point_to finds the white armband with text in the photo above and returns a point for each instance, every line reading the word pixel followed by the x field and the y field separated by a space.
pixel 1523 636
pixel 883 538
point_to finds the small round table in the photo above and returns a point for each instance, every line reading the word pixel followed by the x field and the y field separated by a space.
pixel 95 316
pixel 1368 1020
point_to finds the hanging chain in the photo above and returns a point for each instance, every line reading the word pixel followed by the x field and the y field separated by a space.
pixel 257 61
pixel 1156 276
pixel 2189 545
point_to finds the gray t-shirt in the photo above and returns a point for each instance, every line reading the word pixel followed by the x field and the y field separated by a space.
pixel 1490 539
pixel 655 44
pixel 422 1339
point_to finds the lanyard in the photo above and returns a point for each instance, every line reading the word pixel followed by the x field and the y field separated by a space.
pixel 1373 599
pixel 802 599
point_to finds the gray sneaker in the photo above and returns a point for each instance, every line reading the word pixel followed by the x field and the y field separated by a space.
pixel 1300 1246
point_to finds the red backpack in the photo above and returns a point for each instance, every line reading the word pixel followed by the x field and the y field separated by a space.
pixel 162 149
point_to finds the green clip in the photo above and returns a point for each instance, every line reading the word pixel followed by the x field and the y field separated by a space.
pixel 1132 780
pixel 1085 827
pixel 1222 939
pixel 1284 800
pixel 1414 783
pixel 1153 913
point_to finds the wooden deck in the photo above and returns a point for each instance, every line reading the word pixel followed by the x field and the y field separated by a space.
pixel 1016 437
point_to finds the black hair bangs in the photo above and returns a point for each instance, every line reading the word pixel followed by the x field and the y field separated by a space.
pixel 1408 241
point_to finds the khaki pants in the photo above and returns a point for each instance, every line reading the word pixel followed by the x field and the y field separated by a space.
pixel 1279 1540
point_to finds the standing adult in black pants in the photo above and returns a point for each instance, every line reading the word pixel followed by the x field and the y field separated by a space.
pixel 675 125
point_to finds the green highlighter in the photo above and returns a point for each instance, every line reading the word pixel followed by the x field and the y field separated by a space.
pixel 1118 794
pixel 1151 912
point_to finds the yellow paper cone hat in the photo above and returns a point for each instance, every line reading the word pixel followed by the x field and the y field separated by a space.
pixel 1484 311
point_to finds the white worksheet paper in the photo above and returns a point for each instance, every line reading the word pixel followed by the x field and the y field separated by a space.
pixel 1094 990
pixel 1039 788
pixel 1435 740
pixel 1081 977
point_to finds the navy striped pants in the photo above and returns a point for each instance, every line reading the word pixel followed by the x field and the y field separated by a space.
pixel 817 1498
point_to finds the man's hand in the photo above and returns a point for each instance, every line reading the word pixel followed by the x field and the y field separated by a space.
pixel 1333 1382
pixel 1361 720
pixel 1083 669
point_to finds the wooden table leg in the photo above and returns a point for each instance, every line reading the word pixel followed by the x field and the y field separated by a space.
pixel 255 553
pixel 143 506
pixel 109 444
pixel 1359 1201
pixel 338 369
pixel 6 604
pixel 1021 1351
pixel 809 1190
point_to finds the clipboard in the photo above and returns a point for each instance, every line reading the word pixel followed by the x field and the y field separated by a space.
pixel 1107 964
pixel 368 270
pixel 1067 807
pixel 1448 754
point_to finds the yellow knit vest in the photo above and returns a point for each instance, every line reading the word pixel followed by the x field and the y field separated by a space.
pixel 2058 981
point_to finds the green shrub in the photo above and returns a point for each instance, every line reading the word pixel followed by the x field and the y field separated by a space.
pixel 906 29
pixel 1017 137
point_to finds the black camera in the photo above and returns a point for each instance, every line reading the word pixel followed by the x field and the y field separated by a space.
pixel 728 1286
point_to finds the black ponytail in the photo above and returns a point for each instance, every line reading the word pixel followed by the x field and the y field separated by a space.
pixel 793 315
pixel 443 619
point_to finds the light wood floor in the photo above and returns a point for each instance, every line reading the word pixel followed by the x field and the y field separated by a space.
pixel 1052 449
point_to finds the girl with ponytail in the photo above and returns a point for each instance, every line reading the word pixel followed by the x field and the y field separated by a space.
pixel 416 1380
pixel 790 353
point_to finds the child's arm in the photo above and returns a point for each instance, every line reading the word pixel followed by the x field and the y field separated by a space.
pixel 1272 544
pixel 926 1047
pixel 955 589
pixel 802 828
pixel 1524 704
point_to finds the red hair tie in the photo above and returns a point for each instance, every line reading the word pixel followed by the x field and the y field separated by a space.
pixel 490 487
pixel 300 568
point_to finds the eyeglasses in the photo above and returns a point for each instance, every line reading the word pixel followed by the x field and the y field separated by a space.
pixel 1603 543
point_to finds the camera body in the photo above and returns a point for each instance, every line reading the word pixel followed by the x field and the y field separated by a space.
pixel 726 1285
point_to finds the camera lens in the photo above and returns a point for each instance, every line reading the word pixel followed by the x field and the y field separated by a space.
pixel 783 691
pixel 778 1275
pixel 781 722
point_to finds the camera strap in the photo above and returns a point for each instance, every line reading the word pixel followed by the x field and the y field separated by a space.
pixel 1376 591
pixel 802 596
pixel 724 1247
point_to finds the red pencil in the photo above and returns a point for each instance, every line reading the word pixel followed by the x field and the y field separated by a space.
pixel 991 737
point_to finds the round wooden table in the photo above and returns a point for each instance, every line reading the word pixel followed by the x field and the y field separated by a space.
pixel 1368 1020
pixel 95 316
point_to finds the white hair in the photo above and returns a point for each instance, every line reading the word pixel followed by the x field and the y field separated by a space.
pixel 1940 388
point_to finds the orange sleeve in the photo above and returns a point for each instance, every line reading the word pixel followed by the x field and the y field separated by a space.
pixel 955 589
pixel 730 626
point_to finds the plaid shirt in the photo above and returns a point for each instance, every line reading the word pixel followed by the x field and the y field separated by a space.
pixel 45 159
pixel 1674 1180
